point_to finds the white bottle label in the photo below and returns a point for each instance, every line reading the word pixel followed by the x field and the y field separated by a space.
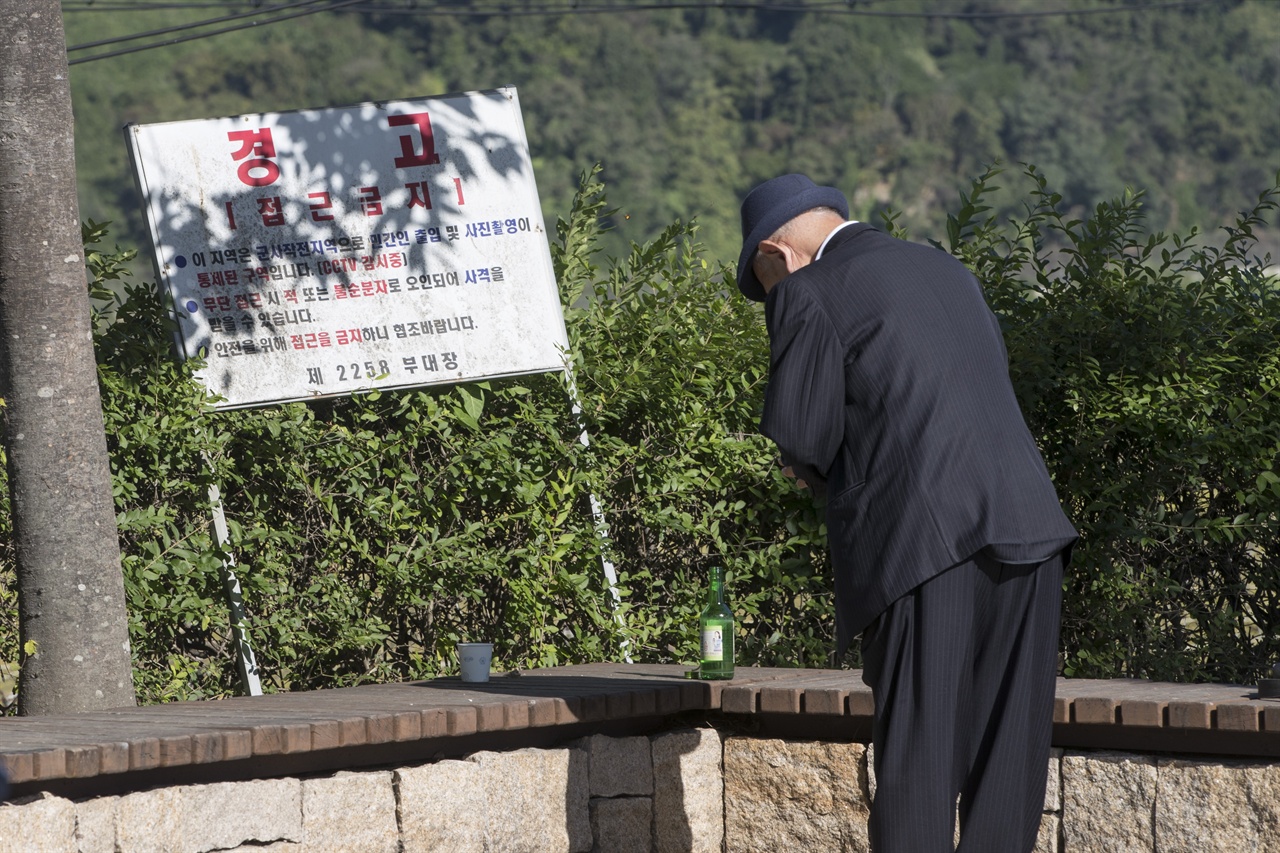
pixel 712 644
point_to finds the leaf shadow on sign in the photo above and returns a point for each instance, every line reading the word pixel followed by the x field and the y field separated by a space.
pixel 341 203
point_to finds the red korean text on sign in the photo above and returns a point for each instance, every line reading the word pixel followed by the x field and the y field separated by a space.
pixel 408 145
pixel 272 211
pixel 321 207
pixel 263 148
pixel 419 194
pixel 371 201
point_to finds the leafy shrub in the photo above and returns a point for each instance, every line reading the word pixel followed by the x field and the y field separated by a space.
pixel 373 532
pixel 671 363
pixel 1148 369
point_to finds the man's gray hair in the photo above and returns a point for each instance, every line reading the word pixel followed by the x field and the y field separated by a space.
pixel 790 225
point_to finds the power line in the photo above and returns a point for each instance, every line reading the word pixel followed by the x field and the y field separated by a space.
pixel 574 7
pixel 835 7
pixel 179 27
pixel 153 5
pixel 336 4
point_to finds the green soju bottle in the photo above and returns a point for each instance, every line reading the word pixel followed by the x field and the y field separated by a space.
pixel 716 624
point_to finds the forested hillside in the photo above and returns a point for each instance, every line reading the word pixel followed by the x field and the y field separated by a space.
pixel 687 108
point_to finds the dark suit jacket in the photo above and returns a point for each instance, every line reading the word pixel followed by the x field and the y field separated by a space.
pixel 889 386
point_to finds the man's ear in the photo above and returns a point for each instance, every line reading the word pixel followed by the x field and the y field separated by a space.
pixel 774 250
pixel 780 253
pixel 771 263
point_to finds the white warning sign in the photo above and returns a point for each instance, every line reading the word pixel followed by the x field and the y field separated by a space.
pixel 319 252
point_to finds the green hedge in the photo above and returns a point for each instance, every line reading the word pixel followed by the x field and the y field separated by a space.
pixel 1148 369
pixel 373 532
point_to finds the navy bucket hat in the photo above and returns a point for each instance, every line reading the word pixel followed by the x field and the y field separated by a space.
pixel 767 208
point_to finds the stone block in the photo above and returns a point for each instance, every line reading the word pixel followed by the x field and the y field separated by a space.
pixel 538 800
pixel 622 825
pixel 354 812
pixel 620 766
pixel 149 821
pixel 688 792
pixel 220 816
pixel 1047 840
pixel 869 763
pixel 795 795
pixel 1208 806
pixel 1053 782
pixel 43 822
pixel 442 806
pixel 96 825
pixel 229 814
pixel 1108 800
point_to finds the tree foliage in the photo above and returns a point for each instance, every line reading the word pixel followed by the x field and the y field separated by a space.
pixel 689 108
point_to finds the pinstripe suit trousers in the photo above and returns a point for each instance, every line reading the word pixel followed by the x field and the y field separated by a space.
pixel 963 669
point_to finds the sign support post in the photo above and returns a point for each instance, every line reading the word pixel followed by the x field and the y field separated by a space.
pixel 602 527
pixel 246 662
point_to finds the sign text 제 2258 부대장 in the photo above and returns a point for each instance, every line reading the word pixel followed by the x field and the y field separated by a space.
pixel 319 252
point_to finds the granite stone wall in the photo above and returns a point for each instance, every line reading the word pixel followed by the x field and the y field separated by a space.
pixel 691 790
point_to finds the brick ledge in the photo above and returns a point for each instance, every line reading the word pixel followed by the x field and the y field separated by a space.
pixel 1121 713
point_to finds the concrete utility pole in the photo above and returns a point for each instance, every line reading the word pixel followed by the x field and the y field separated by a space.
pixel 72 623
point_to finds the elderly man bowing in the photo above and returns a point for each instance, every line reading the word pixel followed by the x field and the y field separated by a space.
pixel 889 392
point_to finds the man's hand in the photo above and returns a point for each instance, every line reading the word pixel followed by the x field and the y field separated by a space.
pixel 791 475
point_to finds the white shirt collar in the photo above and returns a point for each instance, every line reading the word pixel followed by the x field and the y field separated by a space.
pixel 823 247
